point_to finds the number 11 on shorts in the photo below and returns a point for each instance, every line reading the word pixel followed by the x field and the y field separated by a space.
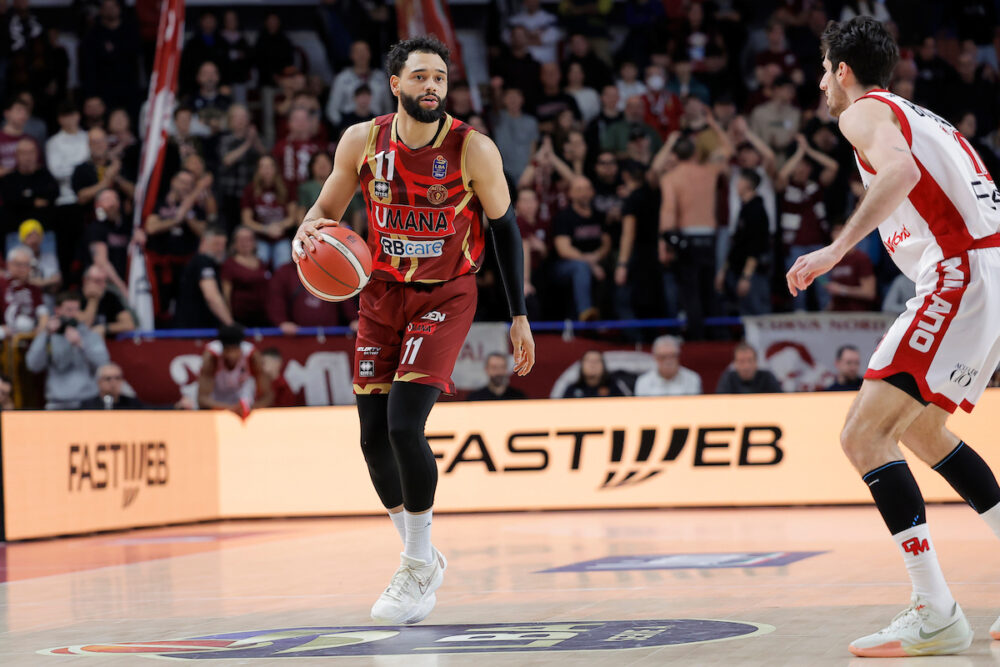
pixel 410 353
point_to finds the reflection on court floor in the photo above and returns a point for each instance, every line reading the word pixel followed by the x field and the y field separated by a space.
pixel 700 587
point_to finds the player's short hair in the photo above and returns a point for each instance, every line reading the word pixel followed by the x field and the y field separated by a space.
pixel 845 348
pixel 684 148
pixel 865 45
pixel 402 50
pixel 230 335
pixel 751 176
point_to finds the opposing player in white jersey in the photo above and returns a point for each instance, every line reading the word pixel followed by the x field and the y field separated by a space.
pixel 936 209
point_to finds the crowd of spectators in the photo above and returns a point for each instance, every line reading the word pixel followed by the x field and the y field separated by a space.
pixel 667 158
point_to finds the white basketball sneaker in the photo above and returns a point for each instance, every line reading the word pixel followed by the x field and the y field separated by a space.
pixel 917 630
pixel 995 629
pixel 410 596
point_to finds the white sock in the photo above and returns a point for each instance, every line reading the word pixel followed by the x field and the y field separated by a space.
pixel 418 535
pixel 399 521
pixel 922 564
pixel 992 519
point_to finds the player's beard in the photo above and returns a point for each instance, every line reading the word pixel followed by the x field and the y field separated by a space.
pixel 411 105
pixel 837 100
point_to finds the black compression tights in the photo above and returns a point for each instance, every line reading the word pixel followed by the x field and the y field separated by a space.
pixel 399 459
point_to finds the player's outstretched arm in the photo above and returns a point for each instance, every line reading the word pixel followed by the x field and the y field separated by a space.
pixel 337 191
pixel 487 179
pixel 871 127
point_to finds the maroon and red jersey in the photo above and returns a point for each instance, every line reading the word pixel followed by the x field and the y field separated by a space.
pixel 424 221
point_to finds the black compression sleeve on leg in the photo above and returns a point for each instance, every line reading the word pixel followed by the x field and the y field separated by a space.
pixel 382 467
pixel 968 474
pixel 409 405
pixel 896 495
pixel 510 259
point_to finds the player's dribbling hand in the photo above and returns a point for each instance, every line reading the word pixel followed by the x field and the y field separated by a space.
pixel 307 231
pixel 524 345
pixel 809 267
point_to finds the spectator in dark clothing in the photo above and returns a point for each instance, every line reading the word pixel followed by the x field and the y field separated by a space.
pixel 552 101
pixel 362 110
pixel 173 232
pixel 200 304
pixel 536 240
pixel 236 63
pixel 596 71
pixel 744 377
pixel 637 248
pixel 746 270
pixel 109 59
pixel 15 116
pixel 595 380
pixel 99 172
pixel 271 366
pixel 597 130
pixel 29 191
pixel 582 243
pixel 244 280
pixel 104 312
pixel 933 75
pixel 273 51
pixel 110 379
pixel 498 388
pixel 239 151
pixel 207 101
pixel 974 89
pixel 204 46
pixel 517 68
pixel 110 382
pixel 848 370
pixel 290 306
pixel 108 239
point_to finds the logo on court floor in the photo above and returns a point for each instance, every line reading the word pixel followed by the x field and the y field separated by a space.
pixel 688 561
pixel 433 639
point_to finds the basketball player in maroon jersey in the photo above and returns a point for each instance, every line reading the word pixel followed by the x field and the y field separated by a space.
pixel 427 180
pixel 935 208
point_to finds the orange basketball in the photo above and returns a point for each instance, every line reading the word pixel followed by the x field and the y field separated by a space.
pixel 339 268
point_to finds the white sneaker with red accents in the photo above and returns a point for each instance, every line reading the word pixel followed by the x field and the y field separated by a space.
pixel 917 630
pixel 410 597
pixel 995 629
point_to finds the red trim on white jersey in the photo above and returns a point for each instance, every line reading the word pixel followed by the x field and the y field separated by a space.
pixel 911 361
pixel 945 221
pixel 904 124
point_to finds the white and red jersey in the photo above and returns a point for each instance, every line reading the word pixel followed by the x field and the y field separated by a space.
pixel 232 384
pixel 954 206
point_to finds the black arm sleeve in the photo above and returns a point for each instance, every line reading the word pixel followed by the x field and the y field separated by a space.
pixel 510 259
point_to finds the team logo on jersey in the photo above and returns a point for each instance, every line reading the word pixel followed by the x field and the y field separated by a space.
pixel 366 368
pixel 380 191
pixel 437 194
pixel 893 241
pixel 440 167
pixel 963 375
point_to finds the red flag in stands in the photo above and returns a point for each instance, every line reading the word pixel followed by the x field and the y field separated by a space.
pixel 159 107
pixel 430 17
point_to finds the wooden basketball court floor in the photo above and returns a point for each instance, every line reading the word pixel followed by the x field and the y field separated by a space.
pixel 770 587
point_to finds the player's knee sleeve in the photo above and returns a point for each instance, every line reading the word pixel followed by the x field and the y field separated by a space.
pixel 409 405
pixel 375 446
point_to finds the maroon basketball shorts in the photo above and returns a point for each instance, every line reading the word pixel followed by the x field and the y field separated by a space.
pixel 412 332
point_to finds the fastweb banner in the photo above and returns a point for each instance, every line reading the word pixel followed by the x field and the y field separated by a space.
pixel 68 473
